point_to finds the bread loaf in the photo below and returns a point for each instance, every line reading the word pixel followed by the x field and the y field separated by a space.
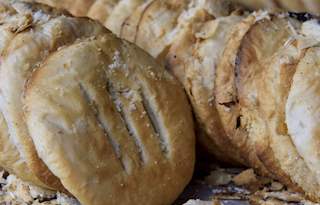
pixel 130 105
pixel 87 114
pixel 193 59
pixel 265 65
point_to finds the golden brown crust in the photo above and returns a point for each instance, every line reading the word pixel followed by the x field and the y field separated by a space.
pixel 151 120
pixel 110 82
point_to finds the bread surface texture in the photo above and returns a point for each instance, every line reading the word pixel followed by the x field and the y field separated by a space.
pixel 88 114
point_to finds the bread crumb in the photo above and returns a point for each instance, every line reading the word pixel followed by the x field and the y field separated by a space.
pixel 276 186
pixel 16 192
pixel 246 177
pixel 199 202
pixel 218 177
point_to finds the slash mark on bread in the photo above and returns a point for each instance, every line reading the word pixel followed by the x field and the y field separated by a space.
pixel 114 94
pixel 95 109
pixel 155 122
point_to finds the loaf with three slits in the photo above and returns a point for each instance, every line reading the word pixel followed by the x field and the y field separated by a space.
pixel 252 79
pixel 85 113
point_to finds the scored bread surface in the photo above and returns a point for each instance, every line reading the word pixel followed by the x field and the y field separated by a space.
pixel 108 109
pixel 125 127
pixel 251 80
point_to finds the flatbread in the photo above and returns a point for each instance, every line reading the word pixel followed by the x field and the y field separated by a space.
pixel 193 59
pixel 109 122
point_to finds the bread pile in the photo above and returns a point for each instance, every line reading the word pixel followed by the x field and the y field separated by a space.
pixel 87 114
pixel 252 78
pixel 111 12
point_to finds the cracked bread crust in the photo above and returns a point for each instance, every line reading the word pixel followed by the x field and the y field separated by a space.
pixel 193 59
pixel 258 45
pixel 225 96
pixel 265 72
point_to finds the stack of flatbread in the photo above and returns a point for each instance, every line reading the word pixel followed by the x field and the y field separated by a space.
pixel 252 78
pixel 92 116
pixel 87 114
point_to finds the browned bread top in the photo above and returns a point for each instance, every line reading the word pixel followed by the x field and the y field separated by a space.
pixel 123 126
pixel 117 122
